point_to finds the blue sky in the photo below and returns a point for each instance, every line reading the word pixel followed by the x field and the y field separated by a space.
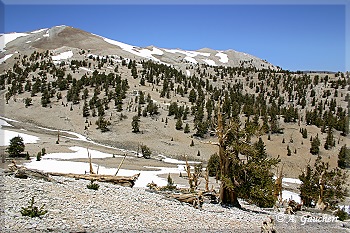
pixel 295 37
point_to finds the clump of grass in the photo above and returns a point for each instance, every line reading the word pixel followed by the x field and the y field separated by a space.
pixel 93 185
pixel 33 211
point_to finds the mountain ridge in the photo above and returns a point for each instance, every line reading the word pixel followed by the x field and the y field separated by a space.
pixel 66 36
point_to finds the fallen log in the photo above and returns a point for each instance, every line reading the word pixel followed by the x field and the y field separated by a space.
pixel 127 181
pixel 24 173
pixel 191 198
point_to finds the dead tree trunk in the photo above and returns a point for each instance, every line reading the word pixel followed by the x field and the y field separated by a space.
pixel 191 198
pixel 320 204
pixel 90 162
pixel 127 181
pixel 278 185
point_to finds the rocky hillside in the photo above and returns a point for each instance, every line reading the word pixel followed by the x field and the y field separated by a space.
pixel 63 38
pixel 70 74
pixel 74 208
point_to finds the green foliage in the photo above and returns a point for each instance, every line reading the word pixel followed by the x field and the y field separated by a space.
pixel 170 185
pixel 255 175
pixel 192 143
pixel 93 185
pixel 135 124
pixel 16 147
pixel 146 151
pixel 178 124
pixel 214 165
pixel 27 156
pixel 329 140
pixel 86 112
pixel 45 98
pixel 38 156
pixel 344 157
pixel 304 132
pixel 315 146
pixel 33 211
pixel 334 184
pixel 289 152
pixel 173 109
pixel 187 128
pixel 102 124
pixel 27 102
pixel 341 214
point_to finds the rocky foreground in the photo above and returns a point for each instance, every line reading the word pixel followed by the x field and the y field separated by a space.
pixel 74 208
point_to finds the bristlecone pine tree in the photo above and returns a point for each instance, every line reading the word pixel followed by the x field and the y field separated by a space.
pixel 249 178
pixel 321 185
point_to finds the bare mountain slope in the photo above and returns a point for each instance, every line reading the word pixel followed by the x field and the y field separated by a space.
pixel 70 38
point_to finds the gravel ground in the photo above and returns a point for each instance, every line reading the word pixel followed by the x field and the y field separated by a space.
pixel 74 208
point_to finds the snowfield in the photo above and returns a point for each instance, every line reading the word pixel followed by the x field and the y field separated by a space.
pixel 209 62
pixel 7 38
pixel 7 135
pixel 223 57
pixel 86 69
pixel 131 49
pixel 191 59
pixel 79 153
pixel 48 164
pixel 63 56
pixel 187 53
pixel 40 30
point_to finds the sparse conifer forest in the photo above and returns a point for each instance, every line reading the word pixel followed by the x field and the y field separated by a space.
pixel 236 130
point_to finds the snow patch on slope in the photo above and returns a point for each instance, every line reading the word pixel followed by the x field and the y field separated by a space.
pixel 37 31
pixel 80 153
pixel 7 38
pixel 47 33
pixel 191 59
pixel 63 56
pixel 86 69
pixel 209 62
pixel 131 49
pixel 223 57
pixel 5 58
pixel 187 53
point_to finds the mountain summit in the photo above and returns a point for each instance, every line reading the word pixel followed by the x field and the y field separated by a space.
pixel 65 38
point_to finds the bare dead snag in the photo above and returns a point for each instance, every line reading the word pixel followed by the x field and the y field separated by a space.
pixel 189 176
pixel 90 162
pixel 121 163
pixel 206 177
pixel 320 204
pixel 278 185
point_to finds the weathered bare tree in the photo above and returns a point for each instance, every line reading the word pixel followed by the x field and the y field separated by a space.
pixel 278 185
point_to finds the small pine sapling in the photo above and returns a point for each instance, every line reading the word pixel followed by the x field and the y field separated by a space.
pixel 33 211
